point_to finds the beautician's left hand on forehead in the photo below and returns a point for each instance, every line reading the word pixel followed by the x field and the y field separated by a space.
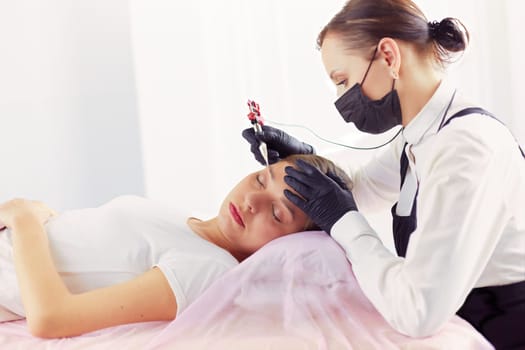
pixel 323 197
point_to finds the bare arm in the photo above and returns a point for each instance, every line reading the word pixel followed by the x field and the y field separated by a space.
pixel 51 310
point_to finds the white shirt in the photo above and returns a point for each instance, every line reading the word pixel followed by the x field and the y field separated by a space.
pixel 470 216
pixel 98 247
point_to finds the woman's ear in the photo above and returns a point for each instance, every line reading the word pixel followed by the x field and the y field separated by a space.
pixel 389 52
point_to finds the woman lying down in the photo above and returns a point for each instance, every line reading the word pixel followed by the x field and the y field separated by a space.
pixel 131 259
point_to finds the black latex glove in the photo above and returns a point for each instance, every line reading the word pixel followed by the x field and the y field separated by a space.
pixel 325 197
pixel 279 144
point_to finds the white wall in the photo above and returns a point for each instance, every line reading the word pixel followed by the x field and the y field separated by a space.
pixel 68 118
pixel 197 63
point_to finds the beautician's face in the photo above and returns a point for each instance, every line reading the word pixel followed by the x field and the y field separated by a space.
pixel 256 210
pixel 347 68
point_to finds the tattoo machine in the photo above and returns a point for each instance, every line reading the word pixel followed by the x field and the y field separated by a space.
pixel 257 122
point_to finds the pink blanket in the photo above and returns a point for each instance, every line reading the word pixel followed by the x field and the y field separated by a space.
pixel 298 292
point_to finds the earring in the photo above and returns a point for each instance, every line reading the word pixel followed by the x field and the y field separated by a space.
pixel 395 75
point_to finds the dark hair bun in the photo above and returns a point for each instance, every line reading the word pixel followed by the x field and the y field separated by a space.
pixel 450 34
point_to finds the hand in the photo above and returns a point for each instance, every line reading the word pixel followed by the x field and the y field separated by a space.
pixel 323 197
pixel 18 209
pixel 280 144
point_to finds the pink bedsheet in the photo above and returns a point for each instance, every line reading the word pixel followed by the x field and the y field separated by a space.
pixel 298 292
pixel 15 336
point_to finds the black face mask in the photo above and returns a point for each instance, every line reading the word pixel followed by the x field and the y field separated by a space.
pixel 371 116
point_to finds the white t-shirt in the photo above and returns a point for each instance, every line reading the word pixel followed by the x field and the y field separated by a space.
pixel 99 247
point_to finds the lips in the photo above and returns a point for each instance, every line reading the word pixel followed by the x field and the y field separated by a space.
pixel 235 215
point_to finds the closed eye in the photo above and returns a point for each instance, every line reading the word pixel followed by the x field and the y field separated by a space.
pixel 275 215
pixel 342 82
pixel 259 180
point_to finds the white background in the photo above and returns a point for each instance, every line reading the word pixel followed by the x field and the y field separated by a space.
pixel 69 131
pixel 106 97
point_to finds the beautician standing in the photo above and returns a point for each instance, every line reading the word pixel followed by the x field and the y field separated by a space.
pixel 455 174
